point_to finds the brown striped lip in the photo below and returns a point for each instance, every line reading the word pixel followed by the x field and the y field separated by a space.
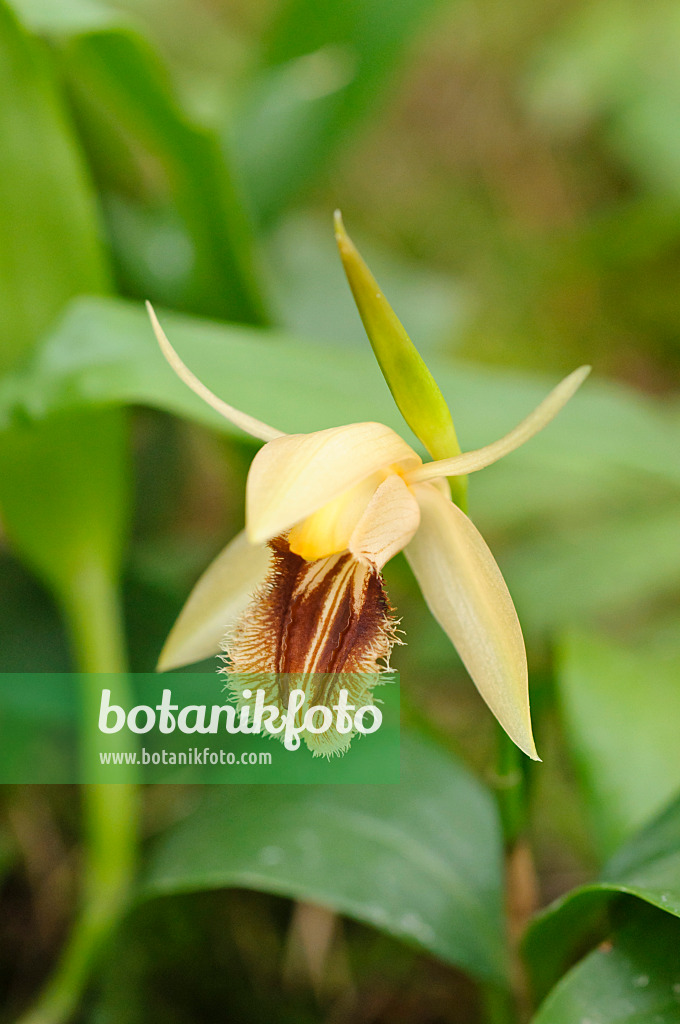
pixel 327 616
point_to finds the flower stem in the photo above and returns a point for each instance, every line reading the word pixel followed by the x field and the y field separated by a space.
pixel 92 611
pixel 498 1005
pixel 521 886
pixel 510 788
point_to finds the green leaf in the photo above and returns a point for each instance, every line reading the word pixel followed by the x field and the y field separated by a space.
pixel 606 555
pixel 76 524
pixel 104 352
pixel 632 979
pixel 177 227
pixel 616 699
pixel 648 867
pixel 325 68
pixel 596 565
pixel 44 196
pixel 421 860
pixel 63 481
pixel 33 638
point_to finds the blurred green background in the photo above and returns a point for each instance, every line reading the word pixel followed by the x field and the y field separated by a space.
pixel 512 175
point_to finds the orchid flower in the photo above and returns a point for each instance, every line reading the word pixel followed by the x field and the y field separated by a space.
pixel 300 590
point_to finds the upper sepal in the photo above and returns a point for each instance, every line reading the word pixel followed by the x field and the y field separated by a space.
pixel 413 387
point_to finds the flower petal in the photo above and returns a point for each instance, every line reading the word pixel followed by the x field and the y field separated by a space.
pixel 293 476
pixel 467 595
pixel 328 530
pixel 388 524
pixel 217 600
pixel 240 419
pixel 470 462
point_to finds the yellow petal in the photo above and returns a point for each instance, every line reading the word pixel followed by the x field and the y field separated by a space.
pixel 467 595
pixel 217 600
pixel 240 419
pixel 388 524
pixel 294 476
pixel 328 530
pixel 470 462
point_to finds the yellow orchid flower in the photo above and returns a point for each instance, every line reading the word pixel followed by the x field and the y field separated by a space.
pixel 300 589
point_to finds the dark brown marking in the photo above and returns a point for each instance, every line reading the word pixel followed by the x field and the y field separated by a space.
pixel 328 616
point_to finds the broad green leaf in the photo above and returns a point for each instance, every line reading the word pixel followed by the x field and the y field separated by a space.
pixel 648 867
pixel 63 483
pixel 421 860
pixel 614 700
pixel 598 565
pixel 567 500
pixel 177 227
pixel 44 196
pixel 32 636
pixel 580 564
pixel 75 525
pixel 104 352
pixel 325 67
pixel 633 978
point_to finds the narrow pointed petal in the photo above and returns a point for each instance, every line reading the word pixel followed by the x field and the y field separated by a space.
pixel 294 476
pixel 470 462
pixel 388 524
pixel 467 595
pixel 215 603
pixel 240 419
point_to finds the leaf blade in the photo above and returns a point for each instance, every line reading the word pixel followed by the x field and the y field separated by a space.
pixel 398 858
